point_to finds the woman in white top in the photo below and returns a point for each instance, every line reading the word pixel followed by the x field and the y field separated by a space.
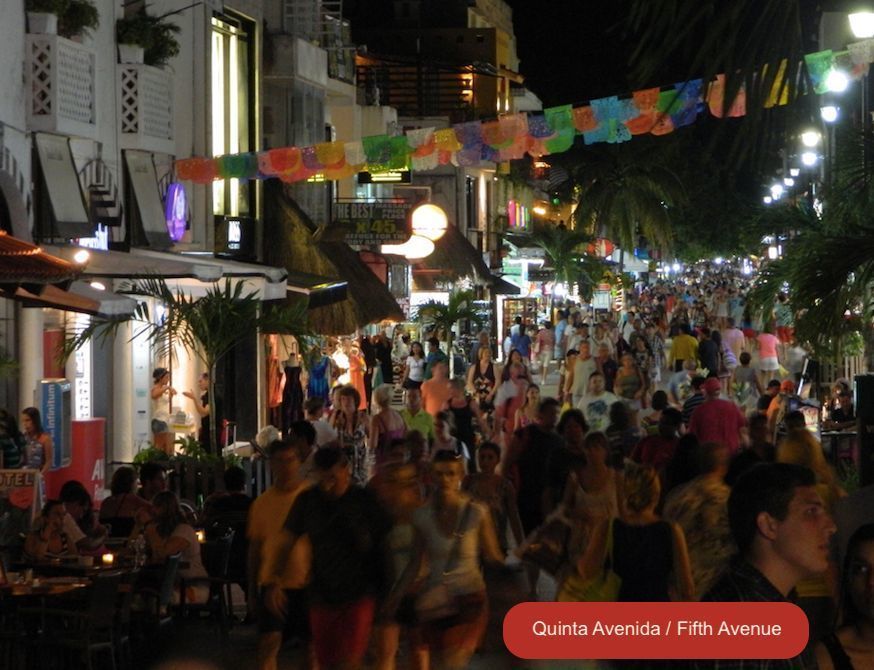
pixel 169 533
pixel 414 369
pixel 161 387
pixel 457 535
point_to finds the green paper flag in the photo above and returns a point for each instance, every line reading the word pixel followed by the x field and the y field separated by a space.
pixel 561 121
pixel 819 64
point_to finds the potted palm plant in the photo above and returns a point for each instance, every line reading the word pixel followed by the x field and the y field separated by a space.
pixel 78 18
pixel 143 38
pixel 42 16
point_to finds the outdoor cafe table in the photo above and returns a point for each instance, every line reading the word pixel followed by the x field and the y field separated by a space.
pixel 45 588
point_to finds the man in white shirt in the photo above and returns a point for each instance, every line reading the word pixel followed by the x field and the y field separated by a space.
pixel 315 409
pixel 595 405
pixel 583 368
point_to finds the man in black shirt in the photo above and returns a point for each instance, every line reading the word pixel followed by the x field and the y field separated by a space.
pixel 782 532
pixel 347 528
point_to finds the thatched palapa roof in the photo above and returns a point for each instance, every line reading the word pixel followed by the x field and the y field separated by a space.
pixel 290 244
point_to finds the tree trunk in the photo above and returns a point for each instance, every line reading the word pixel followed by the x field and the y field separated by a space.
pixel 213 445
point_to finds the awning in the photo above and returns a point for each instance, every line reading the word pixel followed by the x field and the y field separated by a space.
pixel 501 286
pixel 454 257
pixel 320 290
pixel 269 281
pixel 140 264
pixel 80 298
pixel 67 218
pixel 147 224
pixel 25 263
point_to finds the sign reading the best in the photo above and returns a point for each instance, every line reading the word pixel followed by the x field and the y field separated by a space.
pixel 367 223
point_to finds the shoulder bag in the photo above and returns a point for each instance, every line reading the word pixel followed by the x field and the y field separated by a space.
pixel 603 587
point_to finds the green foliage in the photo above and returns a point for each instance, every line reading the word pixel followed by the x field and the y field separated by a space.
pixel 191 448
pixel 208 327
pixel 151 454
pixel 626 192
pixel 443 316
pixel 735 37
pixel 75 17
pixel 79 18
pixel 233 461
pixel 155 34
pixel 566 252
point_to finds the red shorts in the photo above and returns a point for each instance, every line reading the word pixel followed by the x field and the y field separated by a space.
pixel 749 333
pixel 340 633
pixel 785 334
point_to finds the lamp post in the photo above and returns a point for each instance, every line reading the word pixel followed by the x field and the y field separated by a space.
pixel 862 25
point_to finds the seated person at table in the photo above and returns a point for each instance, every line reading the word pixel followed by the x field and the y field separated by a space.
pixel 48 538
pixel 120 509
pixel 842 414
pixel 80 521
pixel 168 533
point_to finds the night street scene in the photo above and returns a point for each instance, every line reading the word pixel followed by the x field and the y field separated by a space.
pixel 436 334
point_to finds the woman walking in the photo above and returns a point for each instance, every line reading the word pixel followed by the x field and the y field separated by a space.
pixel 386 425
pixel 414 367
pixel 457 535
pixel 351 426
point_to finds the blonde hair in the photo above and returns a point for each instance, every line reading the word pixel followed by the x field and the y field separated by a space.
pixel 382 396
pixel 800 447
pixel 641 487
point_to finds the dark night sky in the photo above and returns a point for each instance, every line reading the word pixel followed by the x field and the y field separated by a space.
pixel 572 50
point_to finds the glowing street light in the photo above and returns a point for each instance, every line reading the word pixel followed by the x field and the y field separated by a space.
pixel 862 24
pixel 809 158
pixel 829 113
pixel 810 138
pixel 776 191
pixel 767 200
pixel 794 172
pixel 788 181
pixel 429 221
pixel 837 81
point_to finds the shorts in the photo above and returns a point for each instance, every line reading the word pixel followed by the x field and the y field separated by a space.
pixel 159 426
pixel 545 357
pixel 786 334
pixel 411 384
pixel 769 364
pixel 295 624
pixel 341 633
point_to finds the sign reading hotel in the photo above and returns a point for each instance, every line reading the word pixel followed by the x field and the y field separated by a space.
pixel 369 223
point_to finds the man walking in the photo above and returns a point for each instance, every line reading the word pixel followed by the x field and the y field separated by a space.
pixel 718 420
pixel 782 531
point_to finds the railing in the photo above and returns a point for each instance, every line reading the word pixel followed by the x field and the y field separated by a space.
pixel 60 78
pixel 146 107
pixel 414 90
pixel 847 369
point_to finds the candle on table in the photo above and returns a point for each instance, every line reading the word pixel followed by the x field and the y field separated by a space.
pixel 108 559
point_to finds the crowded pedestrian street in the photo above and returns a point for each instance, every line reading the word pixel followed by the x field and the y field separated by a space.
pixel 436 334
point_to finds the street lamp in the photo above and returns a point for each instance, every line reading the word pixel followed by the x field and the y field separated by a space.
pixel 809 158
pixel 829 113
pixel 429 221
pixel 810 138
pixel 837 81
pixel 415 248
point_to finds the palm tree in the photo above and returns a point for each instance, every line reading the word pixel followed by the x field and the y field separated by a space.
pixel 208 327
pixel 566 250
pixel 624 193
pixel 758 44
pixel 459 307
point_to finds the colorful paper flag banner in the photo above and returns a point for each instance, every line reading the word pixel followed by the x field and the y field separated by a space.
pixel 614 119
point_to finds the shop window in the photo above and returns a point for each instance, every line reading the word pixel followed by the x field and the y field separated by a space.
pixel 232 99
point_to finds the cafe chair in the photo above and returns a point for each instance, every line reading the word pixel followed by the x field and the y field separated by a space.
pixel 216 556
pixel 84 632
pixel 122 631
pixel 153 594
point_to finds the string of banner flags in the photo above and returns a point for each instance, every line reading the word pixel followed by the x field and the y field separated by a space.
pixel 614 119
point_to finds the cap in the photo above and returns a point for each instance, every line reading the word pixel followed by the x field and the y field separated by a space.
pixel 712 385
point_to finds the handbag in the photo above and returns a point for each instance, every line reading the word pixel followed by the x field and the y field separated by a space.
pixel 437 601
pixel 547 545
pixel 601 588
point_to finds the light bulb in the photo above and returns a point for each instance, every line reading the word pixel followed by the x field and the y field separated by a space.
pixel 794 172
pixel 837 81
pixel 767 200
pixel 829 113
pixel 788 181
pixel 809 158
pixel 862 24
pixel 810 138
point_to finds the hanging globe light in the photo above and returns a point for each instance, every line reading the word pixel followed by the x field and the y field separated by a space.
pixel 415 248
pixel 429 221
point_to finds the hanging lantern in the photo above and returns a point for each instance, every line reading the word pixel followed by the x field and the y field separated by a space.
pixel 429 221
pixel 415 248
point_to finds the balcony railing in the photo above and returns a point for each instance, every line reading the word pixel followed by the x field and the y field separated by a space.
pixel 61 84
pixel 146 108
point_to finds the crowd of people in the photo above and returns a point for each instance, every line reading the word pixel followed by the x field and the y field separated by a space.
pixel 663 454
